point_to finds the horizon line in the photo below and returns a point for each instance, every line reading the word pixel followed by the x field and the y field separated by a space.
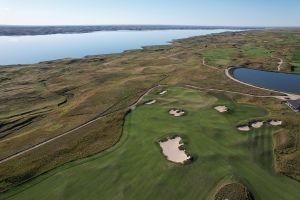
pixel 178 25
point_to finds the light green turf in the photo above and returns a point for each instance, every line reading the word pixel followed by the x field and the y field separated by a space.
pixel 295 60
pixel 220 56
pixel 253 51
pixel 136 169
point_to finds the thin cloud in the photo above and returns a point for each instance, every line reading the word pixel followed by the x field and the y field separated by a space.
pixel 4 11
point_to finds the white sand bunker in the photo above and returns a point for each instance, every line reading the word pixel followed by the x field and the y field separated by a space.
pixel 176 112
pixel 243 128
pixel 163 92
pixel 275 122
pixel 257 124
pixel 150 102
pixel 221 109
pixel 171 150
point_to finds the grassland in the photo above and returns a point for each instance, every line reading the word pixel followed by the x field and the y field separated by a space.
pixel 220 56
pixel 295 60
pixel 42 101
pixel 136 169
pixel 251 51
pixel 225 57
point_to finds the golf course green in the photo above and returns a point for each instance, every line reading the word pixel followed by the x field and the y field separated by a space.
pixel 136 169
pixel 295 60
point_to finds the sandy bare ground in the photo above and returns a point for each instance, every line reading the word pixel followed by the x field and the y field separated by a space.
pixel 276 122
pixel 257 124
pixel 221 109
pixel 280 63
pixel 244 128
pixel 151 102
pixel 176 112
pixel 171 150
pixel 163 92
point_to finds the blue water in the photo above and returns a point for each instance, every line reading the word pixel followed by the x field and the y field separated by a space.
pixel 271 80
pixel 33 49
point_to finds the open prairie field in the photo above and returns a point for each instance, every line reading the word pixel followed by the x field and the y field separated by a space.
pixel 64 127
pixel 136 169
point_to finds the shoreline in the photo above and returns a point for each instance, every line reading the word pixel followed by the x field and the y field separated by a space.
pixel 31 30
pixel 125 50
pixel 229 74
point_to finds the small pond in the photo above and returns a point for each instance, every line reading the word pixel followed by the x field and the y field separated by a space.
pixel 283 82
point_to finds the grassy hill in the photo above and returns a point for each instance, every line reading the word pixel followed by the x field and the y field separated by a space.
pixel 45 100
pixel 136 169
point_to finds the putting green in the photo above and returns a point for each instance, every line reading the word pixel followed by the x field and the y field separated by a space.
pixel 136 169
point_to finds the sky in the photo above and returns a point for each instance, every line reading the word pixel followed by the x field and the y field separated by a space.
pixel 164 12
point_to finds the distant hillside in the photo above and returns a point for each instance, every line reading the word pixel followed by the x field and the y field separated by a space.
pixel 7 30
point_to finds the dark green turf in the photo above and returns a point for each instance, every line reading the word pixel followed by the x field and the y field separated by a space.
pixel 136 169
pixel 295 60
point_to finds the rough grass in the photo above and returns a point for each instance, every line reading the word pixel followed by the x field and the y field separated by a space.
pixel 43 100
pixel 136 169
pixel 233 191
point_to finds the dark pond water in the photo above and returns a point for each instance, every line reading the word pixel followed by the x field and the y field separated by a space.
pixel 271 80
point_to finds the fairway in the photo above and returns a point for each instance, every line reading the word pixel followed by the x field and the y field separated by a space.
pixel 220 56
pixel 136 169
pixel 295 60
pixel 251 51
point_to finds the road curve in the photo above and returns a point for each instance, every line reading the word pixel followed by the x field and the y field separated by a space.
pixel 280 62
pixel 209 66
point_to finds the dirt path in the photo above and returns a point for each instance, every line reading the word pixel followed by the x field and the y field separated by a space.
pixel 233 92
pixel 102 115
pixel 280 63
pixel 209 66
pixel 133 106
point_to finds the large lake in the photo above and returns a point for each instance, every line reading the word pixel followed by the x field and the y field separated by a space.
pixel 271 80
pixel 33 49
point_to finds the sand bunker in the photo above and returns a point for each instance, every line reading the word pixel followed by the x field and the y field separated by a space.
pixel 150 102
pixel 221 109
pixel 176 112
pixel 171 150
pixel 257 124
pixel 163 92
pixel 275 122
pixel 244 128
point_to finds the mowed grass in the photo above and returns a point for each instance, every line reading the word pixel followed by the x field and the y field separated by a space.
pixel 221 57
pixel 253 51
pixel 224 57
pixel 295 60
pixel 136 169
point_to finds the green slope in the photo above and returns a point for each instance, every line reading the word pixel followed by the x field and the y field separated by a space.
pixel 136 169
